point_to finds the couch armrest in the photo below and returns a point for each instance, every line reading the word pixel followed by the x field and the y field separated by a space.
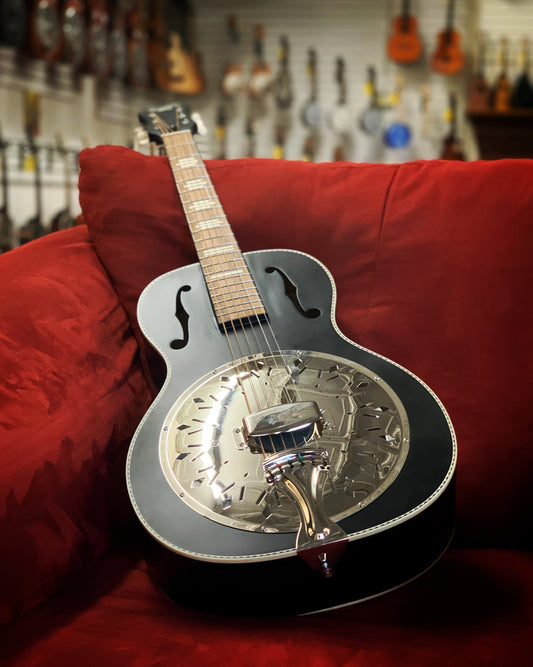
pixel 71 391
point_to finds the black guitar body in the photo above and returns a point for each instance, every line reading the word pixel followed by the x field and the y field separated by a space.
pixel 392 450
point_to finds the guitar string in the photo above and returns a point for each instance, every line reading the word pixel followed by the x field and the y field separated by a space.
pixel 218 303
pixel 244 328
pixel 232 323
pixel 243 322
pixel 246 288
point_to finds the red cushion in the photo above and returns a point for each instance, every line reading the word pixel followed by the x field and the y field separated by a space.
pixel 433 269
pixel 71 391
pixel 473 609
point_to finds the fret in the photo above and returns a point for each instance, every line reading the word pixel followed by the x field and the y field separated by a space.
pixel 200 193
pixel 210 223
pixel 195 184
pixel 219 250
pixel 227 274
pixel 229 314
pixel 186 162
pixel 240 306
pixel 233 292
pixel 246 303
pixel 214 240
pixel 202 204
pixel 193 217
pixel 232 284
pixel 182 175
pixel 214 237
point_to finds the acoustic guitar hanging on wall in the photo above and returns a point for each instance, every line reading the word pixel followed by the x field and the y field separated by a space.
pixel 405 46
pixel 448 57
pixel 277 450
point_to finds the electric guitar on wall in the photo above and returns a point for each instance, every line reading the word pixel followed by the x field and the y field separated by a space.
pixel 279 458
pixel 137 49
pixel 479 93
pixel 448 58
pixel 405 46
pixel 73 37
pixel 98 38
pixel 118 42
pixel 44 30
pixel 174 65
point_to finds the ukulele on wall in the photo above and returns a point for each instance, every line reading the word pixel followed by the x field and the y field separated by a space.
pixel 311 112
pixel 279 455
pixel 501 95
pixel 405 46
pixel 283 97
pixel 479 94
pixel 261 78
pixel 451 146
pixel 339 118
pixel 232 81
pixel 370 121
pixel 448 58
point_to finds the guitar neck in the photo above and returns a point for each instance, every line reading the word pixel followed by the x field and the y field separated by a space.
pixel 450 16
pixel 231 287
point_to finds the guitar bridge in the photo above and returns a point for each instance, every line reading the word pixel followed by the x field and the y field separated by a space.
pixel 282 427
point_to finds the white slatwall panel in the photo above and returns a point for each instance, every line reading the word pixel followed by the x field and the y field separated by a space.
pixel 354 29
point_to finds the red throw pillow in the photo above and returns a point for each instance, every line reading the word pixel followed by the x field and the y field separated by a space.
pixel 433 269
pixel 139 230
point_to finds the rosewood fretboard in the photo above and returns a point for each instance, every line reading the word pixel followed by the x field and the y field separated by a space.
pixel 231 287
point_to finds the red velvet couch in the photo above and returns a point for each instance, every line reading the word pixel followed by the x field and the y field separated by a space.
pixel 434 268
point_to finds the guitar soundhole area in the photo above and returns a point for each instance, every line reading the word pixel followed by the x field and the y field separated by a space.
pixel 291 291
pixel 208 464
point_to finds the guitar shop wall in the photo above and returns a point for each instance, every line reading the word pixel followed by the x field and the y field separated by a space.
pixel 387 112
pixel 344 92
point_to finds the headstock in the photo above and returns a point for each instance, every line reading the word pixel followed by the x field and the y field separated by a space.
pixel 170 118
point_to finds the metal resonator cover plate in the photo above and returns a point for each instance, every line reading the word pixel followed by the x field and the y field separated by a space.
pixel 207 463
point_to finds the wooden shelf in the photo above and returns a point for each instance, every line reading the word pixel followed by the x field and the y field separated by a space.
pixel 503 135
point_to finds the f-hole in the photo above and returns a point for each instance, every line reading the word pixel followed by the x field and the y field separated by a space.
pixel 183 318
pixel 291 291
